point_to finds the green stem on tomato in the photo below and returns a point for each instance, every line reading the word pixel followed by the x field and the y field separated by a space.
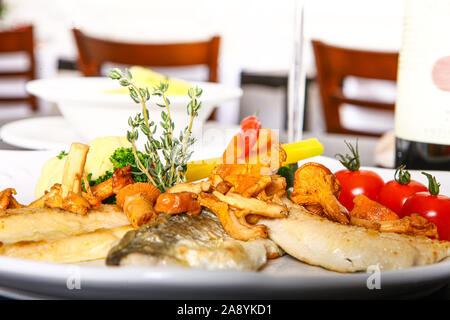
pixel 433 185
pixel 404 177
pixel 351 162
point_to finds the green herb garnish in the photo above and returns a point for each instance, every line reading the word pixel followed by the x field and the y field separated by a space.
pixel 164 161
pixel 61 155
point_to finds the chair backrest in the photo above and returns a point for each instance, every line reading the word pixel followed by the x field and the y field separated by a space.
pixel 15 41
pixel 334 64
pixel 93 52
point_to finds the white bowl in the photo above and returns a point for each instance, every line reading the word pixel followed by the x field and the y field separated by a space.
pixel 94 113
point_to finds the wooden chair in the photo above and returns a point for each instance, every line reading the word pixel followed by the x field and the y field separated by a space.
pixel 15 41
pixel 334 64
pixel 93 52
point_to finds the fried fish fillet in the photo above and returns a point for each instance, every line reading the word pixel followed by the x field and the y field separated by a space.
pixel 36 224
pixel 345 248
pixel 79 248
pixel 197 241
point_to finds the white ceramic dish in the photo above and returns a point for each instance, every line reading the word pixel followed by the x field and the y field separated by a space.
pixel 43 133
pixel 280 278
pixel 56 133
pixel 94 113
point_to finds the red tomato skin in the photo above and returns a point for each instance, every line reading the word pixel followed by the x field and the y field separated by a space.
pixel 393 194
pixel 434 208
pixel 358 182
pixel 251 122
pixel 250 130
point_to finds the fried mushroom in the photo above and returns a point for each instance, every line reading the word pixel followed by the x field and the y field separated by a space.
pixel 238 228
pixel 68 195
pixel 252 205
pixel 7 200
pixel 315 185
pixel 173 203
pixel 137 201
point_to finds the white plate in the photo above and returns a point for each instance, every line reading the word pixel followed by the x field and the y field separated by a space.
pixel 44 133
pixel 92 112
pixel 280 278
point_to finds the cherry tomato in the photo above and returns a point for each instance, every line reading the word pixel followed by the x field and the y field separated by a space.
pixel 251 122
pixel 395 192
pixel 432 206
pixel 358 182
pixel 355 181
pixel 243 142
pixel 249 131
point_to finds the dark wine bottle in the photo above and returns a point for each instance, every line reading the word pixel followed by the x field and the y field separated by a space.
pixel 422 112
pixel 422 155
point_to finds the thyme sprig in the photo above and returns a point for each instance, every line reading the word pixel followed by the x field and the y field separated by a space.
pixel 350 161
pixel 168 155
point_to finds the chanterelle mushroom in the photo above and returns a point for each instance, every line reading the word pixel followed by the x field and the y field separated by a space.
pixel 316 186
pixel 7 200
pixel 179 202
pixel 68 195
pixel 137 201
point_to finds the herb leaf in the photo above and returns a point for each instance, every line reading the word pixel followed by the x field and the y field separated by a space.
pixel 164 161
pixel 61 155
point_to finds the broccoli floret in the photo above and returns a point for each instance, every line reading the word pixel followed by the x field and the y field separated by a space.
pixel 106 176
pixel 123 157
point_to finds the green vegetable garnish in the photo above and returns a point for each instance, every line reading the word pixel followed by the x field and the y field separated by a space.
pixel 164 161
pixel 288 172
pixel 121 158
pixel 61 155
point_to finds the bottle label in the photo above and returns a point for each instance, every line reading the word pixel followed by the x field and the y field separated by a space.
pixel 423 99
